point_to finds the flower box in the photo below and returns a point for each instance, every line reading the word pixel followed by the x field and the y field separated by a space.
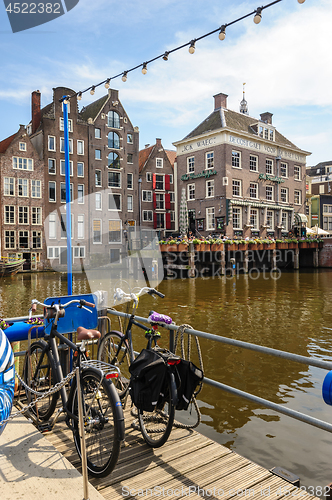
pixel 217 247
pixel 269 246
pixel 303 244
pixel 313 244
pixel 182 247
pixel 253 246
pixel 292 246
pixel 282 246
pixel 171 248
pixel 260 246
pixel 205 247
pixel 163 248
pixel 231 247
pixel 320 244
pixel 243 246
pixel 199 247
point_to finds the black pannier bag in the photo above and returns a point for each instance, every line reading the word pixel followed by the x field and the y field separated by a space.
pixel 189 376
pixel 148 373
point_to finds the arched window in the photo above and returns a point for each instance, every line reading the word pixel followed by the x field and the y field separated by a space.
pixel 113 140
pixel 113 160
pixel 113 119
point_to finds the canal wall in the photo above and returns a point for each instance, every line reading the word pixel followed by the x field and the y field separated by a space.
pixel 325 254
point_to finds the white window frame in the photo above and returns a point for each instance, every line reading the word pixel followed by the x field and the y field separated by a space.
pixel 130 138
pixel 48 143
pixel 97 135
pixel 93 232
pixel 298 176
pixel 210 218
pixel 147 196
pixel 96 154
pixel 237 186
pixel 62 124
pixel 270 217
pixel 117 174
pixel 49 198
pixel 253 218
pixel 37 214
pixel 36 185
pixel 22 146
pixel 71 191
pixel 9 182
pixel 148 176
pixel 253 161
pixel 297 193
pixel 10 213
pixel 119 196
pixel 284 220
pixel 271 191
pixel 52 227
pixel 99 177
pixel 160 201
pixel 238 211
pixel 209 188
pixel 80 226
pixel 269 162
pixel 63 167
pixel 282 164
pixel 236 155
pixel 147 216
pixel 23 214
pixel 130 197
pixel 191 191
pixel 253 186
pixel 62 145
pixel 80 163
pixel 80 199
pixel 53 160
pixel 24 184
pixel 80 147
pixel 20 163
pixel 10 234
pixel 284 191
pixel 159 162
pixel 209 160
pixel 130 175
pixel 98 201
pixel 190 164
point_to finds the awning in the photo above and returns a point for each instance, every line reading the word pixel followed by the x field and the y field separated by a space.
pixel 256 204
pixel 299 218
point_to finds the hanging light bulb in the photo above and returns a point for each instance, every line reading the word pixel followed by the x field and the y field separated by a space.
pixel 165 56
pixel 107 83
pixel 301 1
pixel 124 76
pixel 92 91
pixel 79 96
pixel 144 69
pixel 66 100
pixel 222 34
pixel 192 47
pixel 258 15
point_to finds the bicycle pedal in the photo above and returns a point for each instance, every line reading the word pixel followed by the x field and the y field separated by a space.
pixel 46 427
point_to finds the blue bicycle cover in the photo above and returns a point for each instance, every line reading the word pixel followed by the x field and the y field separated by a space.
pixel 7 379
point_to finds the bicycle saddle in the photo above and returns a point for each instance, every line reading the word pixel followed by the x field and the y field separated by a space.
pixel 85 334
pixel 155 317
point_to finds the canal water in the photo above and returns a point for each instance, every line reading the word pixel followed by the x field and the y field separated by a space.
pixel 287 313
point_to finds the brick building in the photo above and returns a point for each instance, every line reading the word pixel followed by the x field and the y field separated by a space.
pixel 242 177
pixel 158 196
pixel 319 195
pixel 22 208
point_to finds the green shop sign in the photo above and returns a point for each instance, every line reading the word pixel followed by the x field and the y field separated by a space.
pixel 205 173
pixel 268 177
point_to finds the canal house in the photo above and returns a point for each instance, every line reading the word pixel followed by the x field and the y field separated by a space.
pixel 242 177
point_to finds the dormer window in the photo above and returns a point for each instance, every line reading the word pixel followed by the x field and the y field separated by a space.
pixel 266 132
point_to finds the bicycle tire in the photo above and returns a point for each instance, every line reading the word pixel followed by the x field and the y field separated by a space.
pixel 107 351
pixel 101 437
pixel 40 379
pixel 156 426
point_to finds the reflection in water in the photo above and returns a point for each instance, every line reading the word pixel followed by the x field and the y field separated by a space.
pixel 287 313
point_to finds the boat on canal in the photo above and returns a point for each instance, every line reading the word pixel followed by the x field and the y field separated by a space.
pixel 10 267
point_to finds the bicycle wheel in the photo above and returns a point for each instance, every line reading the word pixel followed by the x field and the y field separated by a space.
pixel 101 423
pixel 156 426
pixel 106 352
pixel 38 374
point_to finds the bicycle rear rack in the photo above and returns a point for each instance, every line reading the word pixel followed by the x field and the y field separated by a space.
pixel 109 371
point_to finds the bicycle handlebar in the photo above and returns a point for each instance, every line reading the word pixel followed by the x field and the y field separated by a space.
pixel 58 307
pixel 119 294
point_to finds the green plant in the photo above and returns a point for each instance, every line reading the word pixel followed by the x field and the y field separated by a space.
pixel 3 324
pixel 196 241
pixel 171 242
pixel 162 242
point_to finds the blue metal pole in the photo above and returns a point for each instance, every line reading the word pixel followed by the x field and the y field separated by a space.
pixel 68 200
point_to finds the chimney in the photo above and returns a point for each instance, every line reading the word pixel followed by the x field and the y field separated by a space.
pixel 267 117
pixel 158 142
pixel 220 101
pixel 35 110
pixel 147 145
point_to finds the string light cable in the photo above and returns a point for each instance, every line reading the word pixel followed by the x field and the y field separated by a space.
pixel 257 13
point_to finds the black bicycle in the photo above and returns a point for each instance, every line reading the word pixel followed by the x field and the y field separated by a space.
pixel 102 408
pixel 116 348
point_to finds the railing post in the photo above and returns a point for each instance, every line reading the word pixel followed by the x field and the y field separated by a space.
pixel 82 436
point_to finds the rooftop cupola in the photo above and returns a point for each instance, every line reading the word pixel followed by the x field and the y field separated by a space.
pixel 244 104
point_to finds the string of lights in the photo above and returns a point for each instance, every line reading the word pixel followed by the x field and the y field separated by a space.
pixel 257 13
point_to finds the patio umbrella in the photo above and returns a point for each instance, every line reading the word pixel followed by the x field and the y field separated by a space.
pixel 183 218
pixel 318 230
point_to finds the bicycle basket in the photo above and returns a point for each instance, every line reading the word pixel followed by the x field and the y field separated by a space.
pixel 189 376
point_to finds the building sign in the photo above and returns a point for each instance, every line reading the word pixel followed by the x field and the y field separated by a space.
pixel 200 224
pixel 205 173
pixel 266 148
pixel 220 221
pixel 268 177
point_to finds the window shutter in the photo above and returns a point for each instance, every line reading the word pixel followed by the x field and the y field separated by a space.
pixel 154 220
pixel 153 181
pixel 154 200
pixel 167 183
pixel 167 201
pixel 168 220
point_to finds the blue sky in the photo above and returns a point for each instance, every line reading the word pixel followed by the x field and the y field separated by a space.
pixel 284 62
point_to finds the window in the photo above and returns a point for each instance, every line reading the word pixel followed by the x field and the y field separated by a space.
pixel 113 140
pixel 284 220
pixel 130 206
pixel 36 239
pixel 63 192
pixel 51 191
pixel 283 170
pixel 236 159
pixel 253 190
pixel 114 231
pixel 160 201
pixel 209 189
pixel 209 160
pixel 9 214
pixel 36 215
pixel 147 216
pixel 172 196
pixel 190 164
pixel 22 146
pixel 237 188
pixel 159 163
pixel 23 239
pixel 266 133
pixel 35 189
pixel 113 160
pixel 130 139
pixel 269 166
pixel 23 215
pixel 80 227
pixel 98 178
pixel 79 252
pixel 53 252
pixel 210 218
pixel 52 226
pixel 62 124
pixel 297 173
pixel 98 201
pixel 237 224
pixel 114 202
pixel 269 218
pixel 51 166
pixel 321 189
pixel 9 189
pixel 160 220
pixel 80 147
pixel 113 119
pixel 23 187
pixel 51 143
pixel 114 179
pixel 97 133
pixel 254 218
pixel 160 182
pixel 80 193
pixel 97 154
pixel 63 168
pixel 191 192
pixel 22 163
pixel 269 193
pixel 148 176
pixel 146 195
pixel 130 181
pixel 171 178
pixel 297 197
pixel 284 195
pixel 253 163
pixel 129 158
pixel 62 145
pixel 80 169
pixel 10 239
pixel 96 231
